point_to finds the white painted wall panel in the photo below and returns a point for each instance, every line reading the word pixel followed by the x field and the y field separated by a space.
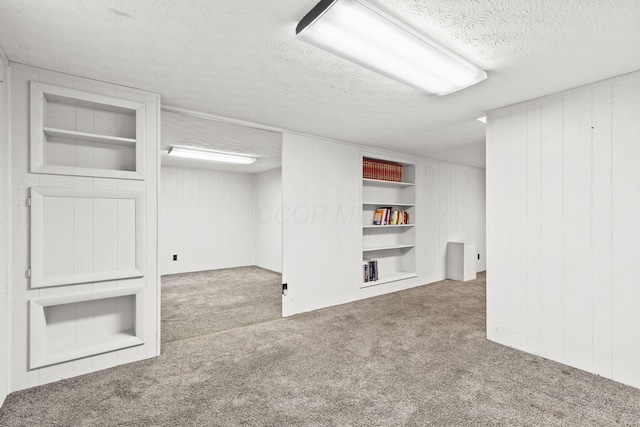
pixel 577 286
pixel 625 231
pixel 601 229
pixel 268 217
pixel 5 197
pixel 207 219
pixel 450 207
pixel 498 255
pixel 579 228
pixel 518 228
pixel 551 236
pixel 532 239
pixel 322 257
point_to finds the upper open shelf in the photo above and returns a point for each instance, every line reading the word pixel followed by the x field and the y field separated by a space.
pixel 89 137
pixel 81 133
pixel 389 183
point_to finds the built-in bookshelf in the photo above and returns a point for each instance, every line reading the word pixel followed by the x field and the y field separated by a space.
pixel 390 243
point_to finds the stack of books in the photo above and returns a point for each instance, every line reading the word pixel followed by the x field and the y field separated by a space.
pixel 370 270
pixel 381 170
pixel 387 216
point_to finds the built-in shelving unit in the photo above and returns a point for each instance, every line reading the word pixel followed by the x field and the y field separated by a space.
pixel 392 246
pixel 85 134
pixel 90 223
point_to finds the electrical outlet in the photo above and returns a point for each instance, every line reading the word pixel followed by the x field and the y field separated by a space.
pixel 284 288
pixel 175 257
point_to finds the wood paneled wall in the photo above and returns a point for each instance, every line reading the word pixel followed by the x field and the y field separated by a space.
pixel 268 216
pixel 322 183
pixel 207 219
pixel 451 204
pixel 5 192
pixel 562 203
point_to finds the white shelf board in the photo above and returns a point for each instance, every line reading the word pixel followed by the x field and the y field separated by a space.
pixel 390 183
pixel 387 247
pixel 90 137
pixel 407 205
pixel 388 226
pixel 390 277
pixel 89 347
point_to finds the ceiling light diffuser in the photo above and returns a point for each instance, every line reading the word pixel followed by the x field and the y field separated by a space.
pixel 364 33
pixel 215 156
pixel 482 119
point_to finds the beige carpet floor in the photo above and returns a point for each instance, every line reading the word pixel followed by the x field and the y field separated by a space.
pixel 211 301
pixel 413 358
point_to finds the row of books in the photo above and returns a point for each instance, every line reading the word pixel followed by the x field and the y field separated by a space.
pixel 385 171
pixel 387 216
pixel 370 270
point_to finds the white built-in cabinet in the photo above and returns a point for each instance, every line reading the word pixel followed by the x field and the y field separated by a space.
pixel 85 235
pixel 85 163
pixel 393 246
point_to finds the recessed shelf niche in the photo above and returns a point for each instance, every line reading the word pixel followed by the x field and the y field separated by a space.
pixel 80 325
pixel 85 134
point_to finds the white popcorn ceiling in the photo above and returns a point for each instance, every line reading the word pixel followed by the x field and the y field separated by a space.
pixel 239 59
pixel 186 131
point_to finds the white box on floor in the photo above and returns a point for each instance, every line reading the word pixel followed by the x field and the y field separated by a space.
pixel 461 261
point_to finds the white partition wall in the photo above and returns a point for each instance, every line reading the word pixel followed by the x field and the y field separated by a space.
pixel 5 191
pixel 321 224
pixel 562 209
pixel 322 220
pixel 207 220
pixel 268 216
pixel 84 226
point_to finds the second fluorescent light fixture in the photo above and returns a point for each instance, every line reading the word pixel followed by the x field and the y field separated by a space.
pixel 215 156
pixel 364 33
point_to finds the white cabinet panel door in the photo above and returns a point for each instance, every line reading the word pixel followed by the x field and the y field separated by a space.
pixel 81 236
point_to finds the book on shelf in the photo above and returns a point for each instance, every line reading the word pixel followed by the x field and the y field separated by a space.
pixel 370 270
pixel 387 216
pixel 382 170
pixel 378 217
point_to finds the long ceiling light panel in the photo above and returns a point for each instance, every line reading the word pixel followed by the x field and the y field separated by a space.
pixel 215 156
pixel 364 33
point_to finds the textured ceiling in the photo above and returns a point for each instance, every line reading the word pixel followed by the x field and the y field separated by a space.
pixel 186 131
pixel 238 58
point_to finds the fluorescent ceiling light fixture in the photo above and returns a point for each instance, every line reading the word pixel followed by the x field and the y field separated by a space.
pixel 215 156
pixel 364 33
pixel 482 119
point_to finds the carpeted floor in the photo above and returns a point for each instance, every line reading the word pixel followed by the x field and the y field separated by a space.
pixel 211 301
pixel 413 358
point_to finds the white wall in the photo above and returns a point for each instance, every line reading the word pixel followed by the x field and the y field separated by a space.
pixel 268 217
pixel 563 182
pixel 451 206
pixel 322 225
pixel 5 192
pixel 207 219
